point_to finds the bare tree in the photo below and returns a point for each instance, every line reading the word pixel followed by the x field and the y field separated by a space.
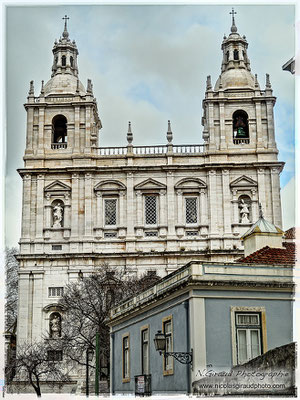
pixel 87 303
pixel 11 292
pixel 35 364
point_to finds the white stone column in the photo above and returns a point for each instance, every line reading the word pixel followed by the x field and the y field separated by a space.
pixel 203 207
pixel 23 311
pixel 26 207
pixel 235 203
pixel 88 204
pixel 222 127
pixel 259 132
pixel 48 210
pixel 40 207
pixel 75 205
pixel 139 208
pixel 41 130
pixel 254 205
pixel 29 134
pixel 211 127
pixel 226 202
pixel 87 129
pixel 99 210
pixel 276 202
pixel 171 205
pixel 162 208
pixel 122 209
pixel 67 211
pixel 270 121
pixel 37 314
pixel 212 176
pixel 77 130
pixel 179 207
pixel 130 208
pixel 261 189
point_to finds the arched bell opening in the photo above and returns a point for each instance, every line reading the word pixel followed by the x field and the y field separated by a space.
pixel 240 127
pixel 59 129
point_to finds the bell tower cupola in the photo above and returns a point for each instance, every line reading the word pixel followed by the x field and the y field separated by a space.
pixel 65 54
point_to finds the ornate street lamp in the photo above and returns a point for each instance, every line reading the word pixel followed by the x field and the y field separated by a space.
pixel 89 358
pixel 160 345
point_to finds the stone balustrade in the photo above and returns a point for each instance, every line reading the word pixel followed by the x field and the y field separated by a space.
pixel 151 150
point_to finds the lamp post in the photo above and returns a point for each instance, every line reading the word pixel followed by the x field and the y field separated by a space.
pixel 160 345
pixel 89 357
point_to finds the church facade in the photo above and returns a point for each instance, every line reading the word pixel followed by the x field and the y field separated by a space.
pixel 141 208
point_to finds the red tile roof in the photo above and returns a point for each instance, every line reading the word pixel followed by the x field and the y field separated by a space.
pixel 274 256
pixel 290 233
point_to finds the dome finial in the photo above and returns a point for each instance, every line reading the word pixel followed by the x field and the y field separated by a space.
pixel 65 32
pixel 169 133
pixel 261 215
pixel 129 134
pixel 233 27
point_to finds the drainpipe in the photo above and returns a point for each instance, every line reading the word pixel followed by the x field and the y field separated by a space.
pixel 188 366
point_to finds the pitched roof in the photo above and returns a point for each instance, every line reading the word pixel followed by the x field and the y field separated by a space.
pixel 290 233
pixel 272 256
pixel 262 226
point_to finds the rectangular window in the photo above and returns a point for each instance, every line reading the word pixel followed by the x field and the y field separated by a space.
pixel 125 363
pixel 110 210
pixel 191 210
pixel 150 210
pixel 55 291
pixel 248 336
pixel 145 351
pixel 56 247
pixel 54 355
pixel 168 331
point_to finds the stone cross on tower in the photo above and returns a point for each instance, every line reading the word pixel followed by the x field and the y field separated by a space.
pixel 65 33
pixel 233 27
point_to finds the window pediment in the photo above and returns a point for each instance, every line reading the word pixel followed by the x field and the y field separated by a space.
pixel 109 186
pixel 243 182
pixel 54 307
pixel 56 187
pixel 150 184
pixel 190 184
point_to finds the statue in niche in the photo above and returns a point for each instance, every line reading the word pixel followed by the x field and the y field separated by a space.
pixel 244 212
pixel 55 326
pixel 57 215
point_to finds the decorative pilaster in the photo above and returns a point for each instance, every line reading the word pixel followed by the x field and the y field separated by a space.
pixel 88 204
pixel 75 205
pixel 162 214
pixel 77 130
pixel 259 132
pixel 222 127
pixel 130 208
pixel 270 121
pixel 41 130
pixel 226 202
pixel 40 207
pixel 87 129
pixel 212 176
pixel 179 207
pixel 276 202
pixel 26 208
pixel 139 213
pixel 170 199
pixel 261 188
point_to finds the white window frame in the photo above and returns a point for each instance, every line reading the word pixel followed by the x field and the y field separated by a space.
pixel 145 368
pixel 168 362
pixel 234 310
pixel 126 358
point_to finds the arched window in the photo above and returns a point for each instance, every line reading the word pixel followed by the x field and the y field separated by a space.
pixel 227 56
pixel 71 61
pixel 235 54
pixel 63 61
pixel 57 214
pixel 59 129
pixel 245 209
pixel 55 325
pixel 240 126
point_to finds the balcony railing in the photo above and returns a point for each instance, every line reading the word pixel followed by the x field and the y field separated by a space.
pixel 58 145
pixel 152 150
pixel 241 141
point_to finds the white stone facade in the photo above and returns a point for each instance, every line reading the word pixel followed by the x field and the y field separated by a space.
pixel 138 207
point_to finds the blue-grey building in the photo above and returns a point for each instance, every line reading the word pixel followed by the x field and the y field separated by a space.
pixel 225 314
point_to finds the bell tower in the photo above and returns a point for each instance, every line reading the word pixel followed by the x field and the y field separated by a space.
pixel 238 114
pixel 62 121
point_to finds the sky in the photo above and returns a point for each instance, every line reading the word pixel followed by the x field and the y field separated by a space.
pixel 148 64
